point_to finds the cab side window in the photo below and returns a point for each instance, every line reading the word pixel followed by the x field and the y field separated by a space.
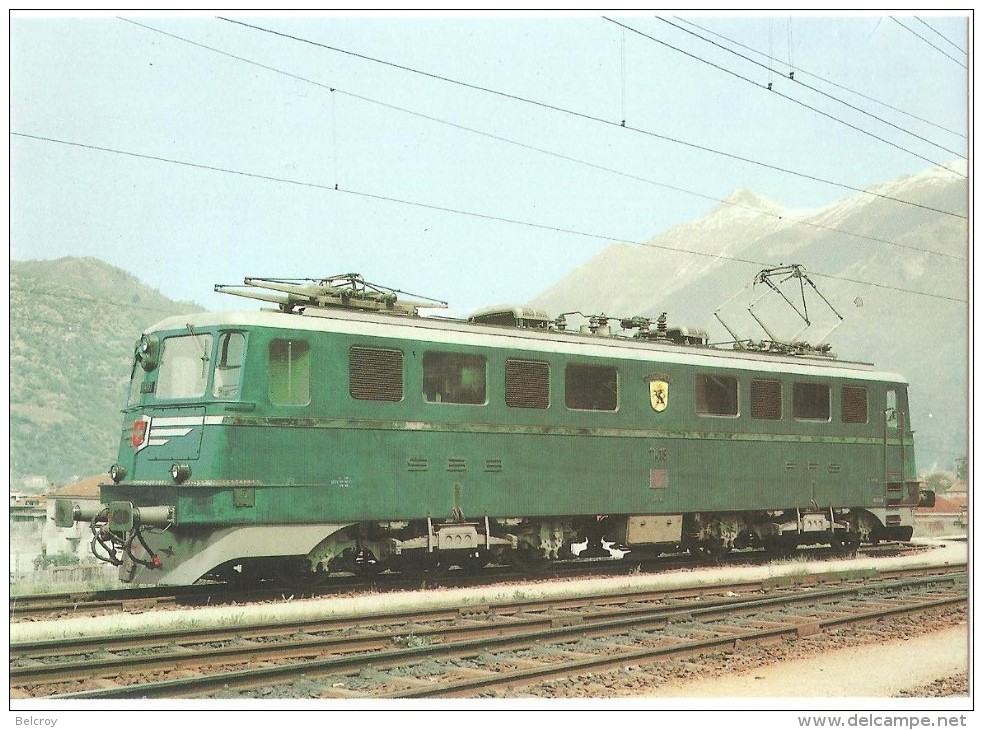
pixel 228 366
pixel 184 367
pixel 290 372
pixel 891 416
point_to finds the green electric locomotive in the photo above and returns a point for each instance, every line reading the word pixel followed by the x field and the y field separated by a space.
pixel 343 431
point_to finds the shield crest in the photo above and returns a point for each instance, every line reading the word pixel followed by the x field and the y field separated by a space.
pixel 659 395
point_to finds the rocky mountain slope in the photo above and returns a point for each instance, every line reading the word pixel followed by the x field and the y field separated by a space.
pixel 866 253
pixel 73 325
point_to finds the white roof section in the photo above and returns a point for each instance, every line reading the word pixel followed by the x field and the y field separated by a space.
pixel 458 332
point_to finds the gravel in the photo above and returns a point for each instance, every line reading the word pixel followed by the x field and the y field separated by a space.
pixel 911 657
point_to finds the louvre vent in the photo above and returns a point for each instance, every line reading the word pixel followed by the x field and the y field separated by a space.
pixel 854 405
pixel 527 384
pixel 766 399
pixel 375 374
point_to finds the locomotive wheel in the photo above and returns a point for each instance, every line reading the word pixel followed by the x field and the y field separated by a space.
pixel 780 548
pixel 362 563
pixel 865 527
pixel 420 562
pixel 713 554
pixel 245 573
pixel 527 559
pixel 309 579
pixel 473 562
pixel 847 543
pixel 709 550
pixel 412 564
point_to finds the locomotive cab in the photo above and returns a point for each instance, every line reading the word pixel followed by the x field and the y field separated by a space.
pixel 180 499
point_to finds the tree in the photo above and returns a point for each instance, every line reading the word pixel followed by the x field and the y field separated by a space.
pixel 939 482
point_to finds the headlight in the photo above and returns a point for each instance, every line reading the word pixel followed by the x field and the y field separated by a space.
pixel 117 473
pixel 180 472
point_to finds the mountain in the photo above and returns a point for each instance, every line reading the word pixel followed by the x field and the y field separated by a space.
pixel 73 326
pixel 866 254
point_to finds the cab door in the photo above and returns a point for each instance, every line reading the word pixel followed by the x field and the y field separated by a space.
pixel 895 425
pixel 901 493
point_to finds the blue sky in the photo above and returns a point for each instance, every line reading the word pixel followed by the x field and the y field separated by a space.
pixel 227 141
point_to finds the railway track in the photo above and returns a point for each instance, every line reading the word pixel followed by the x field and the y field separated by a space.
pixel 473 651
pixel 134 600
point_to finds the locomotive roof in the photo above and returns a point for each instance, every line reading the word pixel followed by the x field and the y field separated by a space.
pixel 457 331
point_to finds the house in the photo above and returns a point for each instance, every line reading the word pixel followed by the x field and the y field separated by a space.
pixel 72 540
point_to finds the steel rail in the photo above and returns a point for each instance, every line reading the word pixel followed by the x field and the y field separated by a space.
pixel 62 647
pixel 512 679
pixel 493 637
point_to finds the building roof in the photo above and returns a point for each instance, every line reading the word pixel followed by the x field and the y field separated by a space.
pixel 87 488
pixel 947 502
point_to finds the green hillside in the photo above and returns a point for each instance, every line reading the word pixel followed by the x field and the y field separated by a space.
pixel 73 325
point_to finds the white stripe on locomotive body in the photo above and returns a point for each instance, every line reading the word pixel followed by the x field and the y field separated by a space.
pixel 174 421
pixel 165 428
pixel 162 432
pixel 458 332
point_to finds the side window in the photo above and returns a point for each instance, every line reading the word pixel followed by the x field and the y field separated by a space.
pixel 375 374
pixel 184 367
pixel 853 405
pixel 527 384
pixel 891 408
pixel 716 395
pixel 454 378
pixel 810 401
pixel 136 384
pixel 766 399
pixel 228 367
pixel 290 372
pixel 591 388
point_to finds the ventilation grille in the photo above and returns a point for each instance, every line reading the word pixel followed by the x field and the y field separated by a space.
pixel 375 374
pixel 854 405
pixel 766 399
pixel 527 384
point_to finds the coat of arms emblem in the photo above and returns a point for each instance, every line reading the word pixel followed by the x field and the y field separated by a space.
pixel 659 395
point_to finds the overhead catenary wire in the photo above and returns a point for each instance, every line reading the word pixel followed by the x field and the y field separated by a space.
pixel 458 211
pixel 799 83
pixel 941 35
pixel 929 43
pixel 335 92
pixel 825 79
pixel 588 117
pixel 792 99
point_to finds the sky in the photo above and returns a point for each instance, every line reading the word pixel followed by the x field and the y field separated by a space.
pixel 474 158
